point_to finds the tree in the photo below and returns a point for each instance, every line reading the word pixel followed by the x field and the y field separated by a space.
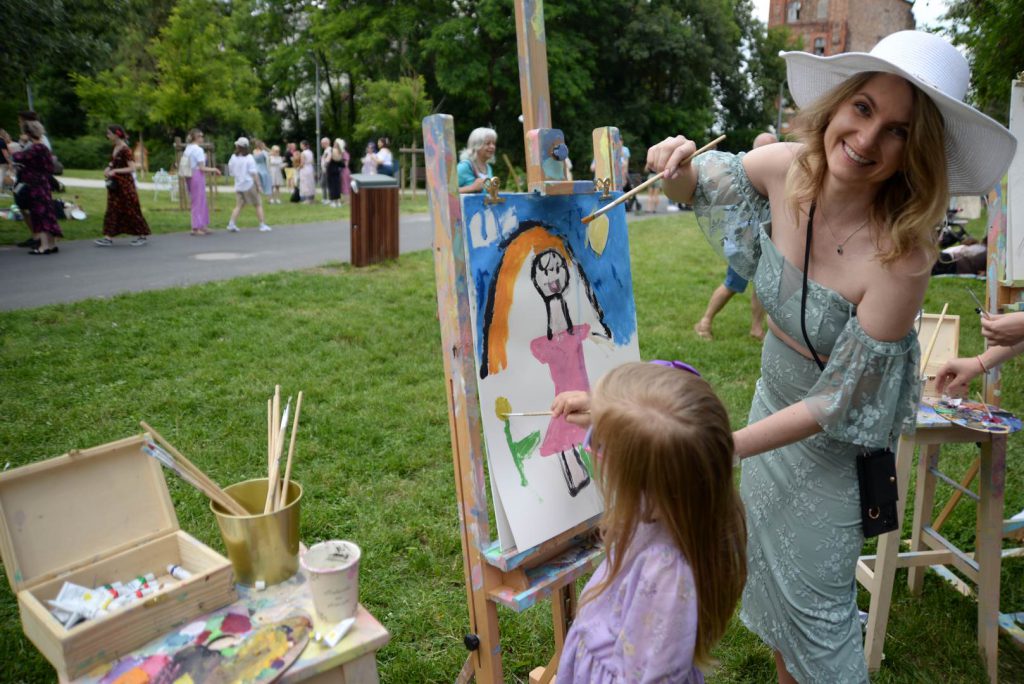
pixel 34 33
pixel 651 67
pixel 749 88
pixel 991 32
pixel 394 108
pixel 202 78
pixel 115 95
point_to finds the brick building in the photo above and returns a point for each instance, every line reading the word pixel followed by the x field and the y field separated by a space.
pixel 829 27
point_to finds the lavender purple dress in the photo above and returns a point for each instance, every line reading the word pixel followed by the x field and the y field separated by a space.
pixel 197 188
pixel 643 627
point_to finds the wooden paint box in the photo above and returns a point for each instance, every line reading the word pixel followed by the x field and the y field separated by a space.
pixel 93 517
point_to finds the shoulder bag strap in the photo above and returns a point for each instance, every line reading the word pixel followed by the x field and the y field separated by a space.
pixel 803 292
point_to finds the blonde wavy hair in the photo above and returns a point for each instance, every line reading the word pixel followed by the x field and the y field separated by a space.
pixel 665 451
pixel 911 203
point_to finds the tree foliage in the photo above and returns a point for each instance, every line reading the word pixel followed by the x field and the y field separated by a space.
pixel 651 67
pixel 395 108
pixel 201 78
pixel 991 32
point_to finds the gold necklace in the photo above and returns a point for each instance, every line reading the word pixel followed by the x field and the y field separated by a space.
pixel 841 244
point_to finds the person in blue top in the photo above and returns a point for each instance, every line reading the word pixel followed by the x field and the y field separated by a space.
pixel 883 139
pixel 475 161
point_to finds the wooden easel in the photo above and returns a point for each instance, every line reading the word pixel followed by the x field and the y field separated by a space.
pixel 1002 294
pixel 516 579
pixel 928 548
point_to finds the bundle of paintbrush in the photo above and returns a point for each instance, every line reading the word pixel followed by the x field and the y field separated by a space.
pixel 172 459
pixel 277 426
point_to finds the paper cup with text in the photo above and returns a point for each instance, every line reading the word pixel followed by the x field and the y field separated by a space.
pixel 332 569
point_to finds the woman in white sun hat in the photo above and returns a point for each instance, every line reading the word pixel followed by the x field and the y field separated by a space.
pixel 884 138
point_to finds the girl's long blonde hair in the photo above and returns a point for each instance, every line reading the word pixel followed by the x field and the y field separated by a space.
pixel 910 205
pixel 663 450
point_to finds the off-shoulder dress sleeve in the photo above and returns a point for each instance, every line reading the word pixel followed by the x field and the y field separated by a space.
pixel 869 391
pixel 729 210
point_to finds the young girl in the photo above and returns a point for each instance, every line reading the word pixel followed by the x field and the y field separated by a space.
pixel 673 528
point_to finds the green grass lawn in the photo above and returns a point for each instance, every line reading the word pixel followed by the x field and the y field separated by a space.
pixel 373 450
pixel 166 216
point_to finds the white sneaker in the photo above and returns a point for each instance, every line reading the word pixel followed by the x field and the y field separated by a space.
pixel 264 228
pixel 138 242
pixel 232 228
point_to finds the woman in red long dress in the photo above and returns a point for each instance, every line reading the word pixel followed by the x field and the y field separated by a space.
pixel 36 167
pixel 124 215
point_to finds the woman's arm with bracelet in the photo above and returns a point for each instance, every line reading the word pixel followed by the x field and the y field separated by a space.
pixel 956 374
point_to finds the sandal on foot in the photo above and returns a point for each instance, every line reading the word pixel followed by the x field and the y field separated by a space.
pixel 52 250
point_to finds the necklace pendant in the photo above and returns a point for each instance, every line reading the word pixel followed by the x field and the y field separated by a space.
pixel 839 250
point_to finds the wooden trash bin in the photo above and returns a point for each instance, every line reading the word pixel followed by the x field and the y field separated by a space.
pixel 374 223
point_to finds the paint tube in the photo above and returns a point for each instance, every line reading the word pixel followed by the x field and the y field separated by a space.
pixel 82 600
pixel 142 581
pixel 178 572
pixel 331 637
pixel 125 600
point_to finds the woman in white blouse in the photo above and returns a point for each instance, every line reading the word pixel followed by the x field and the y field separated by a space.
pixel 194 157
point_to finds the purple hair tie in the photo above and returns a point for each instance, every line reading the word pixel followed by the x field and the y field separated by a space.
pixel 677 364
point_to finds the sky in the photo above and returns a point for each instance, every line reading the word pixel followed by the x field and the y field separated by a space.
pixel 926 12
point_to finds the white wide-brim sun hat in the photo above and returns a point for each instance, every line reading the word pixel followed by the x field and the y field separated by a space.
pixel 978 148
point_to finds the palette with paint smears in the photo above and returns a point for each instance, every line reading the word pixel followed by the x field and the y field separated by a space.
pixel 976 416
pixel 223 649
pixel 91 517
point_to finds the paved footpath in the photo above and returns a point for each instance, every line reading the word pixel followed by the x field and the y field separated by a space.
pixel 81 270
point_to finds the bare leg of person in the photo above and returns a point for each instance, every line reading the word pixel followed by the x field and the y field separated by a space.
pixel 756 317
pixel 780 669
pixel 237 210
pixel 719 298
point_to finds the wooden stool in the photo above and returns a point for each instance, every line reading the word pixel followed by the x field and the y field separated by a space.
pixel 928 547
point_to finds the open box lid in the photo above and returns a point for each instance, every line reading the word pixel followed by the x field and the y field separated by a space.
pixel 60 514
pixel 947 345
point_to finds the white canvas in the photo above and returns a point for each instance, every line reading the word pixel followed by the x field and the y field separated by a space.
pixel 563 291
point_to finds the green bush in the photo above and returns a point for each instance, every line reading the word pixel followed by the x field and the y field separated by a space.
pixel 161 153
pixel 83 152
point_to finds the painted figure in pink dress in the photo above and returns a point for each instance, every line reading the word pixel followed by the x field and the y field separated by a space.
pixel 561 349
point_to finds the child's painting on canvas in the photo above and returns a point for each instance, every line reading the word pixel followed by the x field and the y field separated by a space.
pixel 552 311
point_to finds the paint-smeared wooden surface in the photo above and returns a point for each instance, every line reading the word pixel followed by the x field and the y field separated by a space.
pixel 531 42
pixel 454 317
pixel 463 403
pixel 275 619
pixel 608 162
pixel 545 578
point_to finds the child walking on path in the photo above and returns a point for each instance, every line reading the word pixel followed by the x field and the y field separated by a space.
pixel 673 527
pixel 242 167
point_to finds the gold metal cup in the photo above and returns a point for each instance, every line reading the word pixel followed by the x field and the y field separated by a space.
pixel 261 546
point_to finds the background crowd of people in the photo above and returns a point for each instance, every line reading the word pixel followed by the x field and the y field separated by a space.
pixel 29 170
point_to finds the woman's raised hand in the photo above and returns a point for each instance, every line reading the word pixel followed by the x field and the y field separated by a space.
pixel 669 154
pixel 1004 330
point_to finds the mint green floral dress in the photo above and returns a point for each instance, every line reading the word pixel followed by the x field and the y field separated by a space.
pixel 802 500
